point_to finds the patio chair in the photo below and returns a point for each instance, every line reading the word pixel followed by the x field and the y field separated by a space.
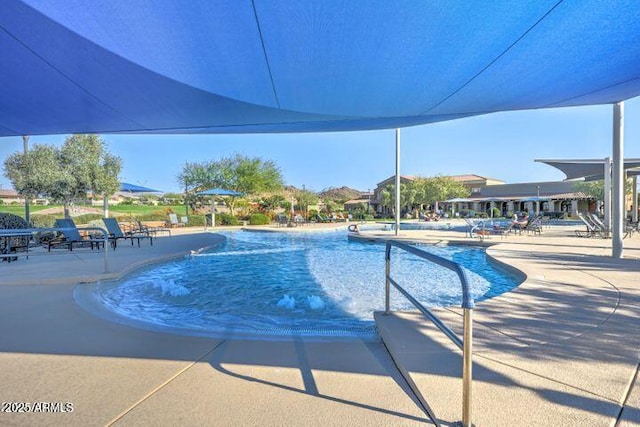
pixel 600 225
pixel 173 221
pixel 502 230
pixel 521 224
pixel 322 218
pixel 472 227
pixel 534 225
pixel 184 220
pixel 115 233
pixel 71 236
pixel 299 219
pixel 591 231
pixel 282 220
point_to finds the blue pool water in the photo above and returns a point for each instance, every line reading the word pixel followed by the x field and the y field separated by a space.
pixel 292 283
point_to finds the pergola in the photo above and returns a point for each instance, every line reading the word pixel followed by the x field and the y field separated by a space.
pixel 217 66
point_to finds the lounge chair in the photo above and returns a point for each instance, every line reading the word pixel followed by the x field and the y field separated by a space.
pixel 592 229
pixel 502 230
pixel 521 224
pixel 184 220
pixel 534 225
pixel 473 227
pixel 153 229
pixel 322 218
pixel 299 219
pixel 282 220
pixel 604 230
pixel 115 233
pixel 173 221
pixel 71 236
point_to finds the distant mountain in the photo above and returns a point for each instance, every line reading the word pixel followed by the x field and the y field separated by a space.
pixel 340 194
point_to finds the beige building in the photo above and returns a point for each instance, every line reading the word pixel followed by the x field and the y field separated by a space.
pixel 9 196
pixel 473 182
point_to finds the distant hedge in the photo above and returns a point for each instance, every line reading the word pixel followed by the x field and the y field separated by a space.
pixel 259 219
pixel 226 219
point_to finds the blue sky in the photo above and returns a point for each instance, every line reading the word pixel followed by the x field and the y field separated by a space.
pixel 500 145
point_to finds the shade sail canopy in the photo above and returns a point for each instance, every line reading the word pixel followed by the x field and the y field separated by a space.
pixel 590 169
pixel 228 66
pixel 132 188
pixel 218 192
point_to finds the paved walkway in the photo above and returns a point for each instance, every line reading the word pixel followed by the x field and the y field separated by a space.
pixel 563 346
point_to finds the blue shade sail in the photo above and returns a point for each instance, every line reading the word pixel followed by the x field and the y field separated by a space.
pixel 234 66
pixel 132 188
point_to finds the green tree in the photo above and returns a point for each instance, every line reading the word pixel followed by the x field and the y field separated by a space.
pixel 595 189
pixel 67 173
pixel 304 198
pixel 238 173
pixel 439 188
pixel 408 196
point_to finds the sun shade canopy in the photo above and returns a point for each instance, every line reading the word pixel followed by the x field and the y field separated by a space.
pixel 590 169
pixel 132 188
pixel 234 66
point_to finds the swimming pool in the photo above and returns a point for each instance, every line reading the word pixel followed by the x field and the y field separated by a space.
pixel 312 284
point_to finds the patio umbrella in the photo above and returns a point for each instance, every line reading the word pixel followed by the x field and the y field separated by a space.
pixel 217 192
pixel 126 187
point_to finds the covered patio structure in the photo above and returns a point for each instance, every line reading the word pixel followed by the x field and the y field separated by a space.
pixel 261 67
pixel 614 173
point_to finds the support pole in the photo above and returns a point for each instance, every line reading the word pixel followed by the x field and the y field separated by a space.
pixel 618 179
pixel 607 192
pixel 25 147
pixel 467 367
pixel 397 216
pixel 634 214
pixel 105 206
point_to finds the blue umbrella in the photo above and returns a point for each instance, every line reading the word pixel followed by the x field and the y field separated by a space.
pixel 217 192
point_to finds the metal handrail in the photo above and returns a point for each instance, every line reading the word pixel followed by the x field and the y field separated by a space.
pixel 466 344
pixel 28 231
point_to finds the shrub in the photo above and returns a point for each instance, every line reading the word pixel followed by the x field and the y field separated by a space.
pixel 193 220
pixel 226 219
pixel 86 218
pixel 259 219
pixel 11 221
pixel 496 212
pixel 42 221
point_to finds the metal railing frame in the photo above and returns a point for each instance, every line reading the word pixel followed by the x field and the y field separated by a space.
pixel 466 344
pixel 17 232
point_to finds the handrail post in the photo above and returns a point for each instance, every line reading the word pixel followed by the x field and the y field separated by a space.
pixel 387 284
pixel 467 366
pixel 466 345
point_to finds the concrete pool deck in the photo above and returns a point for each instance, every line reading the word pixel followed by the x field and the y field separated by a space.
pixel 561 349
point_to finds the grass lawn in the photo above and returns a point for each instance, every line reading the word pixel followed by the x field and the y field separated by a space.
pixel 19 209
pixel 114 210
pixel 145 210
